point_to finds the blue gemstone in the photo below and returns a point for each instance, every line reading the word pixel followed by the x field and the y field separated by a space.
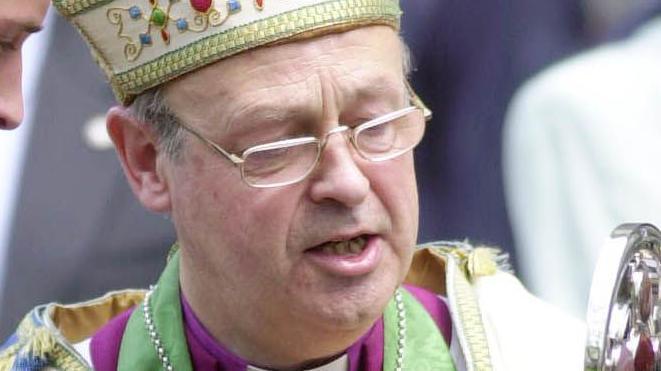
pixel 182 24
pixel 135 12
pixel 234 6
pixel 145 39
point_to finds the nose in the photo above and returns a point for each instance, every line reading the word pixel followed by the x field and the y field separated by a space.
pixel 338 175
pixel 11 98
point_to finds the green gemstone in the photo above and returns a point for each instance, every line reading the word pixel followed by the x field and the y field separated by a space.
pixel 158 17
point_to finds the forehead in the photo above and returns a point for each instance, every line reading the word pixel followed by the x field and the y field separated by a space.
pixel 293 76
pixel 22 15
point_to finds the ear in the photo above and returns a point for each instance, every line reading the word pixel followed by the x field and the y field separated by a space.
pixel 136 146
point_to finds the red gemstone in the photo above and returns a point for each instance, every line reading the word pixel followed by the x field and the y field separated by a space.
pixel 166 36
pixel 644 358
pixel 259 3
pixel 201 5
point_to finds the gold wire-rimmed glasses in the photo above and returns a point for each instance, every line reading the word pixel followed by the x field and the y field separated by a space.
pixel 289 161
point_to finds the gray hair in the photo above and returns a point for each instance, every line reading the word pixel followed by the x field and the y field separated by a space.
pixel 151 108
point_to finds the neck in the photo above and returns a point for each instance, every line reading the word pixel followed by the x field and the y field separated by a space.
pixel 260 335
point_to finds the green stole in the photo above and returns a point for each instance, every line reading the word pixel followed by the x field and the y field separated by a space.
pixel 424 346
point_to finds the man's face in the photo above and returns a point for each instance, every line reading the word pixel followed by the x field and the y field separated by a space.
pixel 264 248
pixel 18 19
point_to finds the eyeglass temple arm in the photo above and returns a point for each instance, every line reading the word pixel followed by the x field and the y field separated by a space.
pixel 236 160
pixel 416 101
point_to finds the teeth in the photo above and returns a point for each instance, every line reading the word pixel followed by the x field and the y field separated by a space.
pixel 341 247
pixel 353 247
pixel 328 249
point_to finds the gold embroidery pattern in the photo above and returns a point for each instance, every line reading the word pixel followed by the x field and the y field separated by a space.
pixel 132 49
pixel 64 360
pixel 70 8
pixel 471 319
pixel 315 18
pixel 162 18
pixel 37 340
pixel 470 324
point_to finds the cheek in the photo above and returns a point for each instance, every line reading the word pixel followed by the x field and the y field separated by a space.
pixel 269 213
pixel 200 190
pixel 223 210
pixel 395 185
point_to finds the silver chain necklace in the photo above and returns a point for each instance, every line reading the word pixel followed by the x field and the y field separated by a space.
pixel 156 342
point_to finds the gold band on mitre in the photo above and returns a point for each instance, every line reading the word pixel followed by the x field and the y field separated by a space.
pixel 140 44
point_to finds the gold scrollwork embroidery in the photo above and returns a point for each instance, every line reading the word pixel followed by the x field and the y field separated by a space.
pixel 202 21
pixel 132 49
pixel 161 18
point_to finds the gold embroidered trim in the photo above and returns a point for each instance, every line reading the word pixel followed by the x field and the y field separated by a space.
pixel 70 8
pixel 317 18
pixel 38 340
pixel 471 318
pixel 197 23
pixel 470 324
pixel 64 360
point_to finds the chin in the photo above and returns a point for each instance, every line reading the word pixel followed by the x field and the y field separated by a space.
pixel 351 307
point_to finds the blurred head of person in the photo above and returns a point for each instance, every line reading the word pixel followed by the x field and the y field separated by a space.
pixel 18 20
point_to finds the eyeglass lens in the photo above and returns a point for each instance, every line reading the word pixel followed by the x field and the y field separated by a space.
pixel 291 162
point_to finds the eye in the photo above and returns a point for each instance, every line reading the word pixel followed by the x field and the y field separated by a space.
pixel 11 45
pixel 280 164
pixel 377 139
pixel 267 160
pixel 6 47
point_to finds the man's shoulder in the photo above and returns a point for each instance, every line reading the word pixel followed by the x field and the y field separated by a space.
pixel 494 316
pixel 433 261
pixel 48 335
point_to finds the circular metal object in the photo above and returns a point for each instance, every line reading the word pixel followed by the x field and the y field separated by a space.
pixel 624 313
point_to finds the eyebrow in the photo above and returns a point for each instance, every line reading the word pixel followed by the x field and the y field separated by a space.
pixel 257 116
pixel 22 26
pixel 31 28
pixel 268 112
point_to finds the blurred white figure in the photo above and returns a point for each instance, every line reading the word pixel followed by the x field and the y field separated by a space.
pixel 582 151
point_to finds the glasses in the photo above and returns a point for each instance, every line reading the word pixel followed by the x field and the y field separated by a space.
pixel 290 161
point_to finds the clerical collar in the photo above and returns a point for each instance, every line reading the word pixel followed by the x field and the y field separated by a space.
pixel 340 364
pixel 206 351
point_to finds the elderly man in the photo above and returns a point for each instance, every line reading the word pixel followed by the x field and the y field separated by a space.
pixel 18 19
pixel 277 135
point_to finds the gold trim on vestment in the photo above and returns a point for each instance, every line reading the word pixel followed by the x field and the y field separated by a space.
pixel 449 271
pixel 467 318
pixel 78 322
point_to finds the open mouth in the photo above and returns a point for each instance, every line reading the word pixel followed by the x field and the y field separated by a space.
pixel 351 257
pixel 354 246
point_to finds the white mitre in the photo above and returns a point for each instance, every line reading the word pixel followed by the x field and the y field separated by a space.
pixel 140 44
